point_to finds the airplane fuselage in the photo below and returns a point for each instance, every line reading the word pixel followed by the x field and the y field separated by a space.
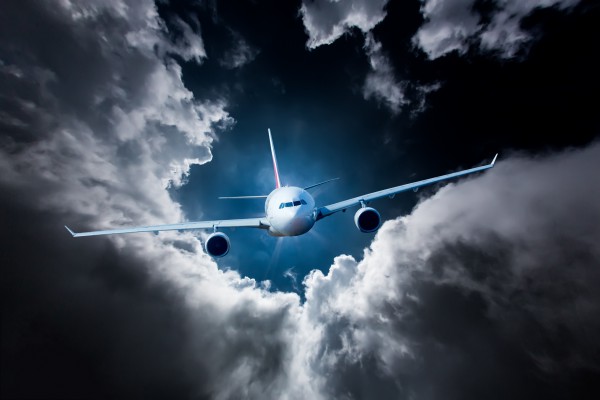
pixel 290 211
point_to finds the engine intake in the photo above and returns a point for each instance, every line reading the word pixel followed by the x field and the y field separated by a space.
pixel 217 245
pixel 367 219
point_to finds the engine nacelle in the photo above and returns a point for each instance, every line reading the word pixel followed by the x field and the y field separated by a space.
pixel 217 245
pixel 367 219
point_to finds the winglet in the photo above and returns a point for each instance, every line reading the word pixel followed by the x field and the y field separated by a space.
pixel 494 160
pixel 277 181
pixel 70 231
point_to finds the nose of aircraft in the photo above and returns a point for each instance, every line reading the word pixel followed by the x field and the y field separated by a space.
pixel 299 221
pixel 297 211
pixel 299 225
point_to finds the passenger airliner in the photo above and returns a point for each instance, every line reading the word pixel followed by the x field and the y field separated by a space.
pixel 290 211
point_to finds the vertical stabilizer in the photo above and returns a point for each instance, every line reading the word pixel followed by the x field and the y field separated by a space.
pixel 277 181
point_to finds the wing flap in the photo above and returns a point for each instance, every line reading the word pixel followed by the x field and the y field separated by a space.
pixel 260 223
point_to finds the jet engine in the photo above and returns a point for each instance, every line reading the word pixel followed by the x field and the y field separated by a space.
pixel 367 219
pixel 217 245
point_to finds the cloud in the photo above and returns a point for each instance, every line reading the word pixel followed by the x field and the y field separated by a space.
pixel 486 289
pixel 381 83
pixel 420 99
pixel 456 25
pixel 107 104
pixel 504 32
pixel 100 126
pixel 293 277
pixel 190 45
pixel 327 20
pixel 486 280
pixel 241 54
pixel 447 27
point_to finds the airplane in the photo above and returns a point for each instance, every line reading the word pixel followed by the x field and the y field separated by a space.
pixel 289 211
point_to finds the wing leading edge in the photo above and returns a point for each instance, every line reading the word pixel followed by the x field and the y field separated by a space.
pixel 260 223
pixel 325 211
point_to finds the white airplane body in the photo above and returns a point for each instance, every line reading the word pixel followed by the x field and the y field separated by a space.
pixel 289 211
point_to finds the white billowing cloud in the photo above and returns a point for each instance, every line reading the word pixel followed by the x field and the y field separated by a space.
pixel 125 119
pixel 514 248
pixel 239 332
pixel 326 20
pixel 104 125
pixel 380 82
pixel 504 32
pixel 454 25
pixel 145 29
pixel 190 45
pixel 449 23
pixel 292 276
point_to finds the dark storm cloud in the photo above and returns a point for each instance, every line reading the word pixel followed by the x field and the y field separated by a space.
pixel 454 25
pixel 99 125
pixel 327 21
pixel 486 290
pixel 381 82
pixel 240 54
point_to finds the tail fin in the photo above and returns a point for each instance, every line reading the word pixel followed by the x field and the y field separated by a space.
pixel 277 181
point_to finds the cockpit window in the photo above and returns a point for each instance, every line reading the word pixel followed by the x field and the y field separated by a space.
pixel 294 203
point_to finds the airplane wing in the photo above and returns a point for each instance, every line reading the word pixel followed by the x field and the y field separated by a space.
pixel 325 211
pixel 260 223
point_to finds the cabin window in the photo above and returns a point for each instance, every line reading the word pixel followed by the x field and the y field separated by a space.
pixel 297 203
pixel 302 201
pixel 289 204
pixel 281 205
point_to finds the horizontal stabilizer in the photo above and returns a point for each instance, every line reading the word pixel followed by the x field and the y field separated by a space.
pixel 320 183
pixel 243 197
